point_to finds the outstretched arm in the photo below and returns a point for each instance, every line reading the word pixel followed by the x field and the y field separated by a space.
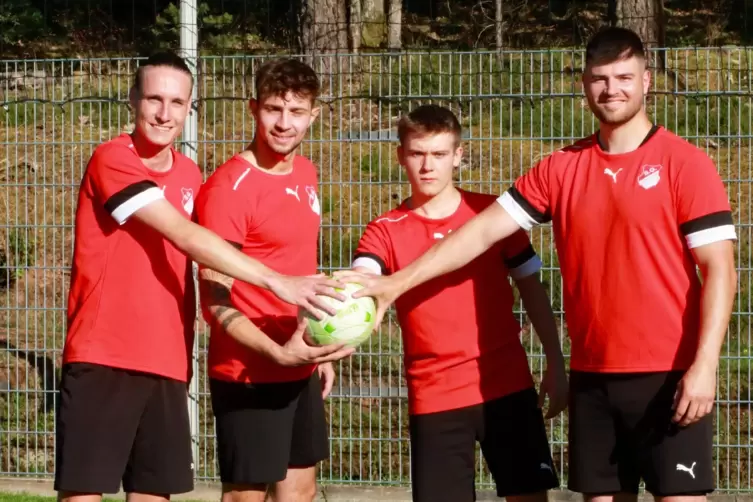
pixel 451 253
pixel 215 291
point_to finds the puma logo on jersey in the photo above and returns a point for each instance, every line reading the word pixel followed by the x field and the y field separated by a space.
pixel 440 235
pixel 294 193
pixel 609 172
pixel 689 470
pixel 313 199
pixel 545 467
pixel 187 199
pixel 649 176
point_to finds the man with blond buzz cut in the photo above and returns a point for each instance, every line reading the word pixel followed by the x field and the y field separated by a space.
pixel 123 415
pixel 267 384
pixel 644 233
pixel 467 372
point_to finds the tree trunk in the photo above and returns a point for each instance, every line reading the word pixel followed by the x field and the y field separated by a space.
pixel 356 25
pixel 373 32
pixel 323 26
pixel 646 18
pixel 498 32
pixel 395 23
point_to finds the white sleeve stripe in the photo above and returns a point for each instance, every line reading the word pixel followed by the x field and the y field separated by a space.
pixel 530 267
pixel 516 211
pixel 711 235
pixel 370 263
pixel 142 199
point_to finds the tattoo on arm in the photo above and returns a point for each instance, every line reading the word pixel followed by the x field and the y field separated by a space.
pixel 215 292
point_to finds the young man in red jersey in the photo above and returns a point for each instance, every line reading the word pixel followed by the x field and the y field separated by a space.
pixel 267 391
pixel 635 210
pixel 123 414
pixel 467 372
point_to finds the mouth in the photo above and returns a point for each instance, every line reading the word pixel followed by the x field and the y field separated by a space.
pixel 162 128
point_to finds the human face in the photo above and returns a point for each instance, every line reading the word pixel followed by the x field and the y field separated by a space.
pixel 615 90
pixel 429 160
pixel 161 107
pixel 282 121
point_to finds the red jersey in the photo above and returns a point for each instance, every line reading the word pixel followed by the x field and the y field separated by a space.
pixel 275 219
pixel 131 303
pixel 623 226
pixel 460 337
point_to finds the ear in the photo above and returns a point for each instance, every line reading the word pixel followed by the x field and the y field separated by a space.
pixel 133 97
pixel 646 81
pixel 314 114
pixel 457 157
pixel 400 155
pixel 253 106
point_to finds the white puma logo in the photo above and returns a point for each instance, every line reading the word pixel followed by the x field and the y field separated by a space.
pixel 545 466
pixel 292 192
pixel 612 174
pixel 689 470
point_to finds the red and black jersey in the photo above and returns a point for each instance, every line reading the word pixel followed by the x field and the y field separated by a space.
pixel 624 225
pixel 131 303
pixel 274 218
pixel 460 336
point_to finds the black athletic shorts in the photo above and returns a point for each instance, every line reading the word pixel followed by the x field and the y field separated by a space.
pixel 264 428
pixel 621 431
pixel 513 440
pixel 116 426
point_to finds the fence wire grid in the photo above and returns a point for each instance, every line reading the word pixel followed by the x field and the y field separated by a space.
pixel 515 107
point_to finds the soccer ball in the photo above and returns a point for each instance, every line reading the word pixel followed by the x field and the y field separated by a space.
pixel 353 323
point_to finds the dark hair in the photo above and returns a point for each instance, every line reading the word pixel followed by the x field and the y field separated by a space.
pixel 613 44
pixel 164 58
pixel 280 76
pixel 429 119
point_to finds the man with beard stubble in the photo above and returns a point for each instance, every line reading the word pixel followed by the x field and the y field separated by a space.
pixel 644 233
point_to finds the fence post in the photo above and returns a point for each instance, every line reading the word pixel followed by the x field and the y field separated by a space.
pixel 189 48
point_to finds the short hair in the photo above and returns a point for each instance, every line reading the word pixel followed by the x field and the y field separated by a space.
pixel 277 77
pixel 429 119
pixel 164 58
pixel 614 43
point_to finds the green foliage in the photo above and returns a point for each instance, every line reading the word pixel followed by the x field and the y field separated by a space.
pixel 216 30
pixel 19 22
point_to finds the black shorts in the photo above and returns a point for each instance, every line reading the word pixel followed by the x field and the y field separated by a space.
pixel 264 428
pixel 118 426
pixel 621 431
pixel 513 440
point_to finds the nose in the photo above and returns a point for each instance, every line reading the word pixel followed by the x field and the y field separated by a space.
pixel 163 112
pixel 283 121
pixel 612 86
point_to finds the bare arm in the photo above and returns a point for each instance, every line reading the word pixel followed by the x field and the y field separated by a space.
pixel 459 248
pixel 208 249
pixel 215 291
pixel 717 265
pixel 538 306
pixel 696 391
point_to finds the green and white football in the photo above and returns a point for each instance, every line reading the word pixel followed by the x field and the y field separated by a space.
pixel 353 323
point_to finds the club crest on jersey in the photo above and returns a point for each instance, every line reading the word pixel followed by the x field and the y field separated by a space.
pixel 649 176
pixel 187 199
pixel 313 199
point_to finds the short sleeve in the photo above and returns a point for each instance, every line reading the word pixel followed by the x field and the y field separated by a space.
pixel 121 182
pixel 519 256
pixel 220 209
pixel 703 209
pixel 373 251
pixel 528 200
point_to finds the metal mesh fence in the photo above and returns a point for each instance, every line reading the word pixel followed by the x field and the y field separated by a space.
pixel 515 107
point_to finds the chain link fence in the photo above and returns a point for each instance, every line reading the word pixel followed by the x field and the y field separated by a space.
pixel 516 107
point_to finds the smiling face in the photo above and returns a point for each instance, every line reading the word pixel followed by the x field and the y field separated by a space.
pixel 615 90
pixel 429 160
pixel 282 121
pixel 161 104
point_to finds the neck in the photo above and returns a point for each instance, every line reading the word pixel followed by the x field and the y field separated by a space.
pixel 154 157
pixel 624 138
pixel 438 206
pixel 267 159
